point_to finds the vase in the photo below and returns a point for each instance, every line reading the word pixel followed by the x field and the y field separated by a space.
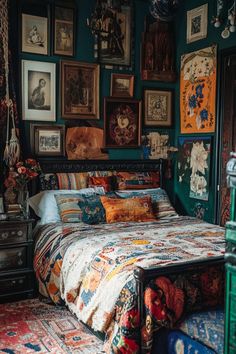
pixel 23 196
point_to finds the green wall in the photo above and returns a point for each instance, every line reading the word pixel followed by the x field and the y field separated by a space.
pixel 188 205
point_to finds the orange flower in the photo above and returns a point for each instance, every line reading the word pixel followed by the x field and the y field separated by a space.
pixel 21 170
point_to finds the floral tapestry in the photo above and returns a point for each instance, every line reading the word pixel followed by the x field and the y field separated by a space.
pixel 198 91
pixel 194 165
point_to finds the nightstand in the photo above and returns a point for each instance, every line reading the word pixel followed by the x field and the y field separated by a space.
pixel 16 260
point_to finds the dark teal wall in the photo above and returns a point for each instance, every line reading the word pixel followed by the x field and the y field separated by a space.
pixel 187 204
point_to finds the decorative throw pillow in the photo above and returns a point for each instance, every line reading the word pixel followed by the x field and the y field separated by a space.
pixel 92 209
pixel 160 201
pixel 106 182
pixel 137 180
pixel 130 209
pixel 72 180
pixel 48 181
pixel 68 207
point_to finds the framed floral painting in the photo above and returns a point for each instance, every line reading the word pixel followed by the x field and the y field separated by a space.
pixel 194 155
pixel 122 123
pixel 198 91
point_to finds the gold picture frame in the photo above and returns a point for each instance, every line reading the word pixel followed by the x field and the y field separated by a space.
pixel 122 85
pixel 79 90
pixel 158 107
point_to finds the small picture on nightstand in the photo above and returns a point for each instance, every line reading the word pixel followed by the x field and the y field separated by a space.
pixel 1 206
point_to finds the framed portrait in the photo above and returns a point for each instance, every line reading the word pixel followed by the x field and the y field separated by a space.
pixel 38 90
pixel 122 123
pixel 64 30
pixel 79 90
pixel 34 34
pixel 197 21
pixel 122 85
pixel 114 41
pixel 47 140
pixel 158 107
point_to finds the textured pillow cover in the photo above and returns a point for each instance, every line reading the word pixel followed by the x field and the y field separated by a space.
pixel 68 207
pixel 137 180
pixel 92 209
pixel 72 180
pixel 48 181
pixel 131 209
pixel 160 201
pixel 106 182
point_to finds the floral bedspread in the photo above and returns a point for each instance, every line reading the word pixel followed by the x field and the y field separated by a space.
pixel 91 269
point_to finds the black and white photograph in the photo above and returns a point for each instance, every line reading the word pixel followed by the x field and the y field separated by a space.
pixel 34 34
pixel 38 90
pixel 64 31
pixel 197 20
pixel 47 140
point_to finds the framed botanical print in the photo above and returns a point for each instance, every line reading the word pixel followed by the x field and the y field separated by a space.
pixel 197 21
pixel 122 85
pixel 115 41
pixel 47 140
pixel 38 90
pixel 64 30
pixel 79 90
pixel 158 107
pixel 34 34
pixel 122 123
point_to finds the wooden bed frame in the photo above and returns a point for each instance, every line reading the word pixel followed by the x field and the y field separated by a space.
pixel 142 276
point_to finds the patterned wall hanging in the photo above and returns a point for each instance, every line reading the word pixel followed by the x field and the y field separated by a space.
pixel 194 165
pixel 198 91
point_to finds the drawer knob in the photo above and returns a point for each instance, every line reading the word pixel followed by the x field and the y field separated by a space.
pixel 4 235
pixel 20 233
pixel 13 282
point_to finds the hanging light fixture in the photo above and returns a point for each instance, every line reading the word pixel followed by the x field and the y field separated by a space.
pixel 230 26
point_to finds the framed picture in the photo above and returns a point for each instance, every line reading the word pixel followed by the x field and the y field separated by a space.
pixel 34 34
pixel 47 140
pixel 64 30
pixel 114 41
pixel 79 90
pixel 158 107
pixel 1 205
pixel 38 90
pixel 122 123
pixel 197 20
pixel 122 85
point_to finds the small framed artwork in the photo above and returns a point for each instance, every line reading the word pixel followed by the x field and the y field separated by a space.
pixel 2 211
pixel 38 90
pixel 47 140
pixel 34 34
pixel 158 107
pixel 122 123
pixel 122 85
pixel 79 90
pixel 115 41
pixel 197 21
pixel 64 30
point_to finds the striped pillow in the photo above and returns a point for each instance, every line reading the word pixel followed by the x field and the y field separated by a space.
pixel 72 180
pixel 137 180
pixel 68 207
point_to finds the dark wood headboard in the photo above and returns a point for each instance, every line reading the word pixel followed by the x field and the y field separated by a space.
pixel 62 166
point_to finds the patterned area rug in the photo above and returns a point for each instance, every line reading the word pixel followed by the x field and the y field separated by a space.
pixel 32 326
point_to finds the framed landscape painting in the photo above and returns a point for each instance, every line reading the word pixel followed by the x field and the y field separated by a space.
pixel 122 122
pixel 38 90
pixel 79 90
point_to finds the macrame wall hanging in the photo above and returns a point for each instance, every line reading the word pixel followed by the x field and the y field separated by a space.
pixel 8 112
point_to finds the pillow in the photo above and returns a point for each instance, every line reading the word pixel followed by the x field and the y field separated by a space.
pixel 137 180
pixel 106 182
pixel 130 209
pixel 160 201
pixel 91 209
pixel 68 207
pixel 72 180
pixel 44 203
pixel 48 181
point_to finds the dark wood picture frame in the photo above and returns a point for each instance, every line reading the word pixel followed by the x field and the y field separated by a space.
pixel 157 107
pixel 64 30
pixel 47 140
pixel 122 123
pixel 122 85
pixel 79 90
pixel 115 41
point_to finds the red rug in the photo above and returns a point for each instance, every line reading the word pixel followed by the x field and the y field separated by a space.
pixel 32 326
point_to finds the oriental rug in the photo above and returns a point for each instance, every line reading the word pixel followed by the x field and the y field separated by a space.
pixel 32 326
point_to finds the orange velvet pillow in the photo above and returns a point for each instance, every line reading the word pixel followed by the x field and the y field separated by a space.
pixel 131 209
pixel 105 182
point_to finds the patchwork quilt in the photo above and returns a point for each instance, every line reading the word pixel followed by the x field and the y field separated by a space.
pixel 90 268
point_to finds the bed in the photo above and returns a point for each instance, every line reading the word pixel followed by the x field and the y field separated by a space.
pixel 127 280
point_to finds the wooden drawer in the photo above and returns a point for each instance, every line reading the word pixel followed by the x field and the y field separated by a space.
pixel 13 233
pixel 16 283
pixel 13 258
